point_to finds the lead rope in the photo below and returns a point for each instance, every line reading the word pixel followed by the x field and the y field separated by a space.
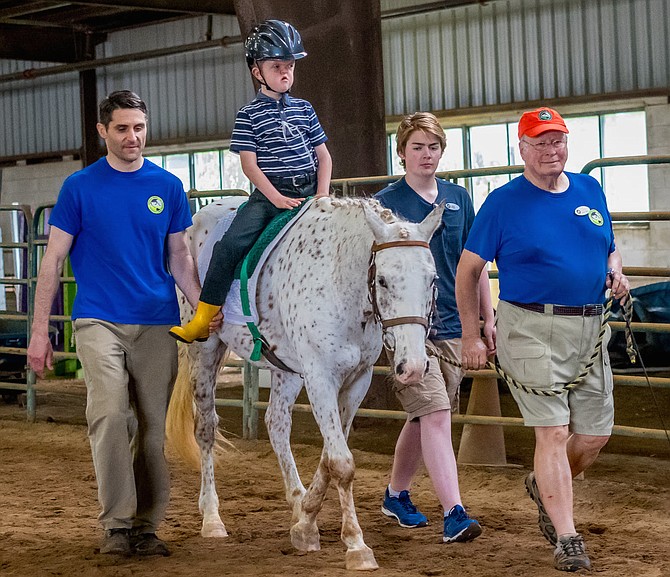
pixel 631 345
pixel 630 349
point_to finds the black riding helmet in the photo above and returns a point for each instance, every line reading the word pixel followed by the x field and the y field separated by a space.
pixel 273 39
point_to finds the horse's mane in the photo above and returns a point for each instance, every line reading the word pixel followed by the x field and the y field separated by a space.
pixel 385 214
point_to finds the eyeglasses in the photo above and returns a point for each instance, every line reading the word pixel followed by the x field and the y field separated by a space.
pixel 546 146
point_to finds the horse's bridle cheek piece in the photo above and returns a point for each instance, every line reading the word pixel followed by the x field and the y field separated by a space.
pixel 425 322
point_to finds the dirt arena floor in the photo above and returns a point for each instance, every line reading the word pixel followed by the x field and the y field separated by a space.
pixel 48 504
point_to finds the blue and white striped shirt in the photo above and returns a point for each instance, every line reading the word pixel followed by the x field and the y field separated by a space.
pixel 283 133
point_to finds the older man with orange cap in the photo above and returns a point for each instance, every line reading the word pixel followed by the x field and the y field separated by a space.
pixel 550 233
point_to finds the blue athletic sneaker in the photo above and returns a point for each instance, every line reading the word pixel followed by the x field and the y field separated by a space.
pixel 402 509
pixel 458 527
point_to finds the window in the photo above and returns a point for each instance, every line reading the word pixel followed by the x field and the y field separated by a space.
pixel 233 177
pixel 217 169
pixel 452 159
pixel 207 168
pixel 583 143
pixel 626 186
pixel 591 137
pixel 179 165
pixel 489 146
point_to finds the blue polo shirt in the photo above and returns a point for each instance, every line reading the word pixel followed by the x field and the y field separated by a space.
pixel 446 245
pixel 282 133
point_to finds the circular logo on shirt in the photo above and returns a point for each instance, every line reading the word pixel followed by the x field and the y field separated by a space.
pixel 452 206
pixel 595 217
pixel 155 204
pixel 582 210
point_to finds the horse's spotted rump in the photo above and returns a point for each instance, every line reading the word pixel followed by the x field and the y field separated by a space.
pixel 316 314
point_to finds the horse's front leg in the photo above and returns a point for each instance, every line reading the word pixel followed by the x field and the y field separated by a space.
pixel 285 388
pixel 204 364
pixel 305 531
pixel 359 555
pixel 337 463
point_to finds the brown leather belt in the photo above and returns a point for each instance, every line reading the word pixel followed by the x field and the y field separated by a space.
pixel 583 311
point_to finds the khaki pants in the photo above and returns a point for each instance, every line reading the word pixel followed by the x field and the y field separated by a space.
pixel 129 372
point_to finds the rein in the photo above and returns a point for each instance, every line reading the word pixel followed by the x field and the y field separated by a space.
pixel 372 288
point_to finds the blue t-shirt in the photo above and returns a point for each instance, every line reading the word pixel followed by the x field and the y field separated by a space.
pixel 120 222
pixel 446 245
pixel 550 248
pixel 283 133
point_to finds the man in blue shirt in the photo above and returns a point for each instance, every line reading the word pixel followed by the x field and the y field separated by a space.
pixel 283 152
pixel 426 434
pixel 550 233
pixel 122 220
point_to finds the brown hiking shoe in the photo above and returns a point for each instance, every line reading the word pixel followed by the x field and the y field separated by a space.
pixel 149 544
pixel 546 526
pixel 570 554
pixel 116 542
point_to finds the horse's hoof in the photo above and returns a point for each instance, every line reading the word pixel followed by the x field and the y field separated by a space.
pixel 305 538
pixel 214 530
pixel 360 560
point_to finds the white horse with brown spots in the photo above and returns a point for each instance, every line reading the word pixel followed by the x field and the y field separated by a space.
pixel 345 274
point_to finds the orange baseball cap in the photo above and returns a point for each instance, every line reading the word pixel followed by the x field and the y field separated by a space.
pixel 541 120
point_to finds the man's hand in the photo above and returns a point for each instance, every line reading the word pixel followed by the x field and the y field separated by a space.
pixel 474 354
pixel 489 338
pixel 216 323
pixel 618 283
pixel 40 353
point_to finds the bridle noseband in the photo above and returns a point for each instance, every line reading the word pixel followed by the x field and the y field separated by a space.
pixel 425 322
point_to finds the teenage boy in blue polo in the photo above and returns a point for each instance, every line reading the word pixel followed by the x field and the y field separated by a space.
pixel 283 152
pixel 426 435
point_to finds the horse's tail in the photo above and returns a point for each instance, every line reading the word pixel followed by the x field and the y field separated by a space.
pixel 180 420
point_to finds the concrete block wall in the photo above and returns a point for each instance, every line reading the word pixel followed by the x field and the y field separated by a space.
pixel 35 184
pixel 649 246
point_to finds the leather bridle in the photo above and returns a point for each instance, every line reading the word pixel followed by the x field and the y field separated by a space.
pixel 425 322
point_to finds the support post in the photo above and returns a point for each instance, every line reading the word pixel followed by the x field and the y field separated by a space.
pixel 342 75
pixel 483 444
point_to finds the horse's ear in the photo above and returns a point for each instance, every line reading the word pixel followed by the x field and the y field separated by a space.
pixel 429 224
pixel 377 225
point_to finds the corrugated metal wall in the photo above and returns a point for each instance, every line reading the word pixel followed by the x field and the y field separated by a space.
pixel 506 51
pixel 519 50
pixel 38 115
pixel 189 96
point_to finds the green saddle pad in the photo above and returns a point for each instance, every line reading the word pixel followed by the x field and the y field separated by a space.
pixel 246 270
pixel 267 236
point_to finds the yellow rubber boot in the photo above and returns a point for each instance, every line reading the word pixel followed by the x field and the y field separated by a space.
pixel 197 329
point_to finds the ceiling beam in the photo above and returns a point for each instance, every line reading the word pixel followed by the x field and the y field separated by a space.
pixel 42 45
pixel 30 8
pixel 180 6
pixel 430 7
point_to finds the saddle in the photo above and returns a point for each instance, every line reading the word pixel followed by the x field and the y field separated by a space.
pixel 240 305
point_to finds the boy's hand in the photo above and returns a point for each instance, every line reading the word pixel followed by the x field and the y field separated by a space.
pixel 282 201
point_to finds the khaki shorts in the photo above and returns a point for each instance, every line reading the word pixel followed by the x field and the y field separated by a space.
pixel 439 389
pixel 545 351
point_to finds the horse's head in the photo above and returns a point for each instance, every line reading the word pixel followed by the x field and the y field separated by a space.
pixel 401 281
